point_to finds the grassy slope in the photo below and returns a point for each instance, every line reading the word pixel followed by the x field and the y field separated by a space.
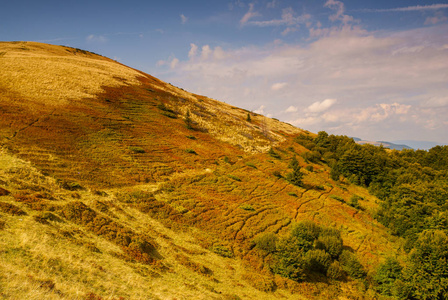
pixel 121 135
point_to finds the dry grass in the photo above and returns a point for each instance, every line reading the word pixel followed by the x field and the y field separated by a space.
pixel 51 75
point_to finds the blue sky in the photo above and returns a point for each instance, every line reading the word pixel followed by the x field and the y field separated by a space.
pixel 377 70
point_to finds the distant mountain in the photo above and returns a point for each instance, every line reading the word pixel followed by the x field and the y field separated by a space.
pixel 389 145
pixel 423 145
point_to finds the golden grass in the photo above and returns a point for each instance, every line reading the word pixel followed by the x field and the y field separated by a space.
pixel 34 72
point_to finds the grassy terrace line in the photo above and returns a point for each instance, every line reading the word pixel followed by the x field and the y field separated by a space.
pixel 116 185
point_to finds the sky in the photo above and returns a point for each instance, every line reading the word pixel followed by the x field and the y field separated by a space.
pixel 377 70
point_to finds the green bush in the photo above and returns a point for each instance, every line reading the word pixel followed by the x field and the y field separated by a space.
pixel 136 149
pixel 306 230
pixel 191 151
pixel 351 265
pixel 289 258
pixel 247 207
pixel 236 178
pixel 317 260
pixel 331 244
pixel 386 275
pixel 335 271
pixel 295 177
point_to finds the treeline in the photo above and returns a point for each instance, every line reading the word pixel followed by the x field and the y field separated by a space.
pixel 413 188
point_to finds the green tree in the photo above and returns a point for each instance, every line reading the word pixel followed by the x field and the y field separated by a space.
pixel 386 275
pixel 426 276
pixel 295 177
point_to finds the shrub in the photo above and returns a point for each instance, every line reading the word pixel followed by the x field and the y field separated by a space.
pixel 267 242
pixel 277 174
pixel 354 201
pixel 293 164
pixel 247 207
pixel 309 168
pixel 191 151
pixel 136 149
pixel 289 258
pixel 295 177
pixel 236 178
pixel 249 164
pixel 351 265
pixel 222 251
pixel 306 230
pixel 340 199
pixel 331 244
pixel 335 271
pixel 274 154
pixel 317 260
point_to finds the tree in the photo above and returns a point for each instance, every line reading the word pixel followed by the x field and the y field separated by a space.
pixel 426 276
pixel 386 275
pixel 188 121
pixel 295 177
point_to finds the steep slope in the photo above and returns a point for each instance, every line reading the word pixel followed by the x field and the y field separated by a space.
pixel 120 185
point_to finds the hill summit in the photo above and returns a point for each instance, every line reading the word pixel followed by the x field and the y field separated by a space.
pixel 117 185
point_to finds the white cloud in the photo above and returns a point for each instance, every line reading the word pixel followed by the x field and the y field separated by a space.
pixel 291 109
pixel 260 110
pixel 174 63
pixel 249 15
pixel 339 7
pixel 318 107
pixel 183 19
pixel 278 86
pixel 288 18
pixel 206 51
pixel 96 38
pixel 410 8
pixel 193 51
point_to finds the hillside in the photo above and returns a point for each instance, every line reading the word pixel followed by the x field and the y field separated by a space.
pixel 116 185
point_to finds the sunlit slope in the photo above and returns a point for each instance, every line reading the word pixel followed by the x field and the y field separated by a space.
pixel 148 183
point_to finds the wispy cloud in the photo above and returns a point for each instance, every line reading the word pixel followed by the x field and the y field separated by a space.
pixel 183 19
pixel 339 9
pixel 249 15
pixel 288 18
pixel 96 38
pixel 409 8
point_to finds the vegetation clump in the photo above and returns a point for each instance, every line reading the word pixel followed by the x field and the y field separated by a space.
pixel 310 249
